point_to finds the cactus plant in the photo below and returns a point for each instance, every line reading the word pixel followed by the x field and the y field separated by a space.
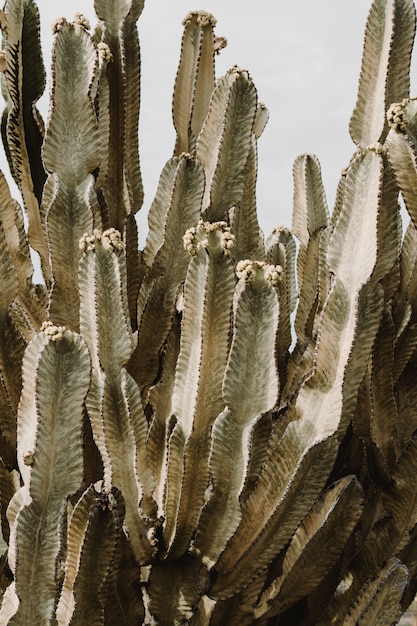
pixel 219 428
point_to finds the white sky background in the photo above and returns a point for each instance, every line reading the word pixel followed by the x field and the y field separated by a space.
pixel 304 58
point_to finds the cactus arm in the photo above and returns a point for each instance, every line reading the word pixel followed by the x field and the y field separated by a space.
pixel 284 473
pixel 177 207
pixel 91 543
pixel 402 153
pixel 379 600
pixel 385 68
pixel 70 154
pixel 250 388
pixel 325 530
pixel 224 142
pixel 194 82
pixel 25 80
pixel 122 185
pixel 186 578
pixel 197 397
pixel 118 422
pixel 310 218
pixel 249 240
pixel 56 374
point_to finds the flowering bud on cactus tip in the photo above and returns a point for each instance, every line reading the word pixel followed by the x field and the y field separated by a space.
pixel 54 333
pixel 58 24
pixel 104 52
pixel 82 21
pixel 206 233
pixel 250 271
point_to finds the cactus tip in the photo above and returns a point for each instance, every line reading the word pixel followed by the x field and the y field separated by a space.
pixel 54 333
pixel 202 18
pixel 104 52
pixel 58 24
pixel 198 238
pixel 82 21
pixel 396 115
pixel 110 239
pixel 248 271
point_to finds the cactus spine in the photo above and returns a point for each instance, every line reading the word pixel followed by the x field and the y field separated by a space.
pixel 216 429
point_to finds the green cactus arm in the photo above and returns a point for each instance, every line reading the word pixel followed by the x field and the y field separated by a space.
pixel 70 154
pixel 281 250
pixel 228 466
pixel 249 240
pixel 187 579
pixel 194 82
pixel 114 405
pixel 122 184
pixel 287 487
pixel 56 372
pixel 25 81
pixel 402 155
pixel 91 543
pixel 310 218
pixel 379 600
pixel 177 207
pixel 251 382
pixel 224 142
pixel 385 68
pixel 197 396
pixel 384 418
pixel 325 531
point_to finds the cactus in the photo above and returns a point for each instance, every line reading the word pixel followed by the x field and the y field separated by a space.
pixel 219 428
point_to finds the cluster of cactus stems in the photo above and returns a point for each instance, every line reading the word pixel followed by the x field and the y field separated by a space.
pixel 217 429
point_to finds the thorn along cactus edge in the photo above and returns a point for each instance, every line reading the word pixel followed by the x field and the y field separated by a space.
pixel 217 429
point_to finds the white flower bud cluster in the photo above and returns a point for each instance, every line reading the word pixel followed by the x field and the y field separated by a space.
pixel 249 270
pixel 396 115
pixel 104 52
pixel 110 239
pixel 28 457
pixel 54 333
pixel 82 21
pixel 197 238
pixel 377 147
pixel 203 18
pixel 58 24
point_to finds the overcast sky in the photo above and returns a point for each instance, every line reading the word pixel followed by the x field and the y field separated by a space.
pixel 304 58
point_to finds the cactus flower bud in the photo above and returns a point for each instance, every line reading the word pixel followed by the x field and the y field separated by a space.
pixel 82 21
pixel 104 52
pixel 205 232
pixel 396 115
pixel 251 270
pixel 58 24
pixel 54 333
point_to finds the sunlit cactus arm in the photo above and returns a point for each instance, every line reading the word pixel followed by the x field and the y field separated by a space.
pixel 385 73
pixel 281 250
pixel 177 207
pixel 71 153
pixel 324 406
pixel 324 530
pixel 310 218
pixel 402 153
pixel 249 240
pixel 194 83
pixel 197 394
pixel 56 374
pixel 250 388
pixel 25 81
pixel 224 142
pixel 91 543
pixel 122 185
pixel 114 404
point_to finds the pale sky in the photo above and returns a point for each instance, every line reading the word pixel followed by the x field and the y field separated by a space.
pixel 304 58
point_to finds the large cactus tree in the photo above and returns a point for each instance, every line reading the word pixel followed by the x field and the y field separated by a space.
pixel 217 429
